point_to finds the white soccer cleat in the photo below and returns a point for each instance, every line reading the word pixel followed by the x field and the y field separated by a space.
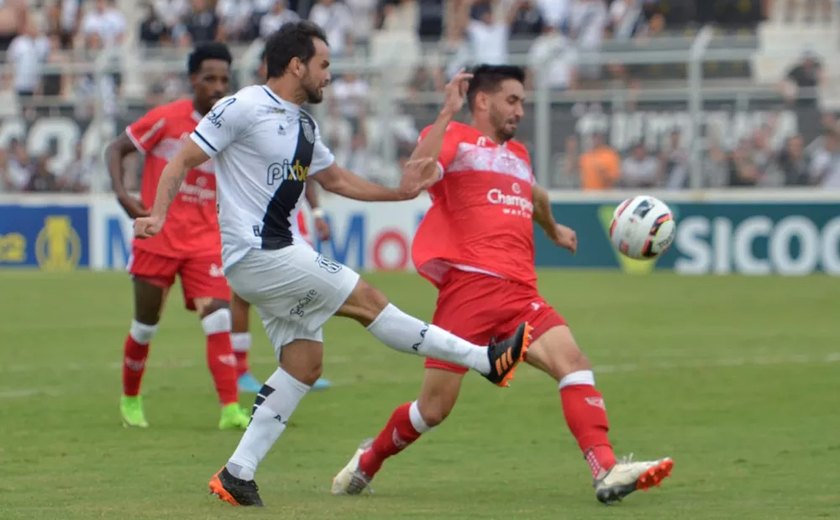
pixel 350 480
pixel 628 476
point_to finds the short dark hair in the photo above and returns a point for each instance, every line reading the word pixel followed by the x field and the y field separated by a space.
pixel 292 40
pixel 488 78
pixel 208 51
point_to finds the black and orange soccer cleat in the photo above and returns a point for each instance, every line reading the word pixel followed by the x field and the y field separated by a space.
pixel 505 355
pixel 233 490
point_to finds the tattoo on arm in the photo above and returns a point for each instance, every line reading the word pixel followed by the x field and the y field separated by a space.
pixel 169 186
pixel 173 188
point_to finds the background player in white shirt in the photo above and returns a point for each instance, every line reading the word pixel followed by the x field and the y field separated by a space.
pixel 265 147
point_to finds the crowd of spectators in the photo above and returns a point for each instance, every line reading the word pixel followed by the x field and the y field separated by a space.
pixel 39 39
pixel 763 158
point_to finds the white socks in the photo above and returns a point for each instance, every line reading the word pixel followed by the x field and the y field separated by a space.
pixel 406 333
pixel 216 322
pixel 240 341
pixel 272 408
pixel 142 333
pixel 581 377
pixel 416 419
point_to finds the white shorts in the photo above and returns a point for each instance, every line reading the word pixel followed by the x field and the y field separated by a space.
pixel 295 289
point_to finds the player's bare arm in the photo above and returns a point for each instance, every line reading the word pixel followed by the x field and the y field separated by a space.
pixel 188 157
pixel 561 235
pixel 322 227
pixel 429 148
pixel 346 183
pixel 115 154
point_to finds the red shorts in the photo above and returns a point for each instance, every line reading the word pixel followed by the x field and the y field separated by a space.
pixel 478 307
pixel 201 277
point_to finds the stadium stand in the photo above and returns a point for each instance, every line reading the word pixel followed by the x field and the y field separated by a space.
pixel 701 93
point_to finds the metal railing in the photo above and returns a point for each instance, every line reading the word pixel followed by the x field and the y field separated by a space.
pixel 391 98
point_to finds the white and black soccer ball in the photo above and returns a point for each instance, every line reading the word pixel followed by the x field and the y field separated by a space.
pixel 642 227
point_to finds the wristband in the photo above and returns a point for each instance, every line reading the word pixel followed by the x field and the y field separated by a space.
pixel 318 213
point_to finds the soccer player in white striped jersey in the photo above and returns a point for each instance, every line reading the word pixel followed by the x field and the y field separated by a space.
pixel 265 148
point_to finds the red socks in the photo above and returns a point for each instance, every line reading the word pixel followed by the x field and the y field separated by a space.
pixel 586 417
pixel 241 362
pixel 220 358
pixel 241 343
pixel 583 407
pixel 222 364
pixel 134 364
pixel 395 437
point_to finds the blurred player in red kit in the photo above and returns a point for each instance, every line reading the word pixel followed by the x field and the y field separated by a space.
pixel 476 246
pixel 190 247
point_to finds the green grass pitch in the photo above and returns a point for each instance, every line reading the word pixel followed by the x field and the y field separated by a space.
pixel 738 379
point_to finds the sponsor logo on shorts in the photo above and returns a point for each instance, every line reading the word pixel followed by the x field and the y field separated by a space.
pixel 216 271
pixel 328 265
pixel 297 310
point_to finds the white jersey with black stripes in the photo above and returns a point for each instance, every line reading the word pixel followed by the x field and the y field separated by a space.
pixel 264 149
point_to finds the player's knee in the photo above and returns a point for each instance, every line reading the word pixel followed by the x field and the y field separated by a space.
pixel 373 299
pixel 310 374
pixel 435 416
pixel 207 306
pixel 365 303
pixel 217 321
pixel 435 410
pixel 557 354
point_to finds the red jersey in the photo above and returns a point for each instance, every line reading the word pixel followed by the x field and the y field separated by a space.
pixel 192 228
pixel 481 214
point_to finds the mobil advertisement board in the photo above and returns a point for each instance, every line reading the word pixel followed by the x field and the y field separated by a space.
pixel 111 233
pixel 365 236
pixel 721 233
pixel 368 235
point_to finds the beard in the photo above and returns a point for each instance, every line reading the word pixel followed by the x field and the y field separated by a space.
pixel 500 124
pixel 314 94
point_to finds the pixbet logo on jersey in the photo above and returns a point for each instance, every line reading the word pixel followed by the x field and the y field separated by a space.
pixel 286 171
pixel 518 205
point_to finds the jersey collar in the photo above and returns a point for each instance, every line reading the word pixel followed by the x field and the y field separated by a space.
pixel 285 104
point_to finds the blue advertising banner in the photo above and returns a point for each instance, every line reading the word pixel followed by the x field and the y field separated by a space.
pixel 52 237
pixel 755 238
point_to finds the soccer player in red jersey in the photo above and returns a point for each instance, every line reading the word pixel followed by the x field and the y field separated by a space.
pixel 476 246
pixel 190 247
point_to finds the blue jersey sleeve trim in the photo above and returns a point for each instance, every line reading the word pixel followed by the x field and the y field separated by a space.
pixel 205 140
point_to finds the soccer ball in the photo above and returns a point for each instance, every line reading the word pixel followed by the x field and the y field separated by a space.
pixel 642 227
